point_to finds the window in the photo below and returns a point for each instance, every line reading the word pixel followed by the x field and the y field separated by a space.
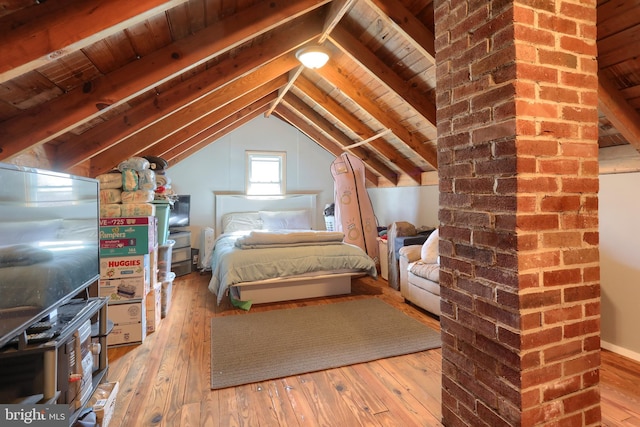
pixel 265 173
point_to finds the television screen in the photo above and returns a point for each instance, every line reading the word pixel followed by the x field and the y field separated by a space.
pixel 179 212
pixel 49 245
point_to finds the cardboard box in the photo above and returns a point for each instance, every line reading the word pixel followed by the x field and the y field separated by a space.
pixel 127 236
pixel 124 289
pixel 124 266
pixel 129 322
pixel 122 222
pixel 133 333
pixel 165 304
pixel 104 402
pixel 153 268
pixel 153 302
pixel 124 313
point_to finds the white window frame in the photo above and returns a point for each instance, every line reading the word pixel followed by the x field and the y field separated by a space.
pixel 278 184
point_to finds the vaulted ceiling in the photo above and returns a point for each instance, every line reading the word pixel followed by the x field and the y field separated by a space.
pixel 88 84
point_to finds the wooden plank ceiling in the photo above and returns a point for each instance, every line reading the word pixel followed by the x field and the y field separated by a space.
pixel 88 84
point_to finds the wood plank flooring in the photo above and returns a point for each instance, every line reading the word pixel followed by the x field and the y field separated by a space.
pixel 165 380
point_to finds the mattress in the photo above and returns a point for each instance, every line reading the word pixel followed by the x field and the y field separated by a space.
pixel 232 265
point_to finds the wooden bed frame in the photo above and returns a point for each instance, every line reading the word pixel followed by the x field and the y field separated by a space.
pixel 290 288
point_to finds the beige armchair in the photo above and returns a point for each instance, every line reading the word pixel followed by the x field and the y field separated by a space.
pixel 420 274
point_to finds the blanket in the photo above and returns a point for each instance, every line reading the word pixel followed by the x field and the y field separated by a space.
pixel 263 239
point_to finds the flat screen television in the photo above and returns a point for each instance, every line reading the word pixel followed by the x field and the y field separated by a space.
pixel 179 213
pixel 49 243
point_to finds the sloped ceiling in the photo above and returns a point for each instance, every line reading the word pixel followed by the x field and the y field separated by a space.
pixel 89 84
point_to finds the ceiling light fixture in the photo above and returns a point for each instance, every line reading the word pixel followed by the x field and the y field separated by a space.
pixel 313 56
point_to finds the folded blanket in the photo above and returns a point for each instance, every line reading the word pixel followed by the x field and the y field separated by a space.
pixel 263 239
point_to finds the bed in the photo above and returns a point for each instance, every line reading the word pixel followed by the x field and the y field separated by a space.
pixel 272 252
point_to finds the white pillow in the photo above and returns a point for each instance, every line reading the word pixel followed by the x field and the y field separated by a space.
pixel 429 252
pixel 241 221
pixel 285 220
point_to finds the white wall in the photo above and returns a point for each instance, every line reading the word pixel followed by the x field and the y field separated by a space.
pixel 620 263
pixel 221 167
pixel 417 205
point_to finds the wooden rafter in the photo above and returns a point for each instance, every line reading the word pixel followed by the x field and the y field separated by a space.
pixel 225 118
pixel 202 127
pixel 339 113
pixel 283 91
pixel 61 28
pixel 267 80
pixel 624 117
pixel 290 116
pixel 323 124
pixel 77 107
pixel 351 89
pixel 226 127
pixel 88 144
pixel 398 16
pixel 370 62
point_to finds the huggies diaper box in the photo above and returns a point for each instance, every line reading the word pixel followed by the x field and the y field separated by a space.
pixel 124 289
pixel 124 267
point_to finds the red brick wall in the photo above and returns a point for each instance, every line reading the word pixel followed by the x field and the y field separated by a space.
pixel 518 165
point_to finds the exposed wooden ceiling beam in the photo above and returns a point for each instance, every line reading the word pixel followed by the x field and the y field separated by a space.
pixel 262 81
pixel 613 105
pixel 77 149
pixel 200 128
pixel 370 62
pixel 398 16
pixel 184 145
pixel 225 128
pixel 350 88
pixel 303 110
pixel 362 130
pixel 60 28
pixel 41 124
pixel 282 92
pixel 314 134
pixel 337 10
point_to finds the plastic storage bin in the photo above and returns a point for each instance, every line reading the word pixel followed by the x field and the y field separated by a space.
pixel 164 258
pixel 167 286
pixel 330 223
pixel 162 213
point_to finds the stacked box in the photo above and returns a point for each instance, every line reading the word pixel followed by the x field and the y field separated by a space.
pixel 124 267
pixel 104 402
pixel 124 289
pixel 127 236
pixel 132 286
pixel 154 307
pixel 166 291
pixel 129 323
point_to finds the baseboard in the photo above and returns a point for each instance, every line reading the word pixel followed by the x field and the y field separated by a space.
pixel 620 350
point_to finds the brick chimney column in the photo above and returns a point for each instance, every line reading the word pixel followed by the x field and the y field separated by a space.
pixel 518 167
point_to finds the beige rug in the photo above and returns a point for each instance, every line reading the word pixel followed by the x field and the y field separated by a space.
pixel 261 346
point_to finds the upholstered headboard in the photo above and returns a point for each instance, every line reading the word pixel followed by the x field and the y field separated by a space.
pixel 226 202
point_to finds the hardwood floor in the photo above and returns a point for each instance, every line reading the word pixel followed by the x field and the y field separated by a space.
pixel 165 380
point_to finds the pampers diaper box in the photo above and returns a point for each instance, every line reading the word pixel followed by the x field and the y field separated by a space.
pixel 127 236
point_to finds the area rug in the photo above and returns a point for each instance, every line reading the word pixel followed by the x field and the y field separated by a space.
pixel 261 346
